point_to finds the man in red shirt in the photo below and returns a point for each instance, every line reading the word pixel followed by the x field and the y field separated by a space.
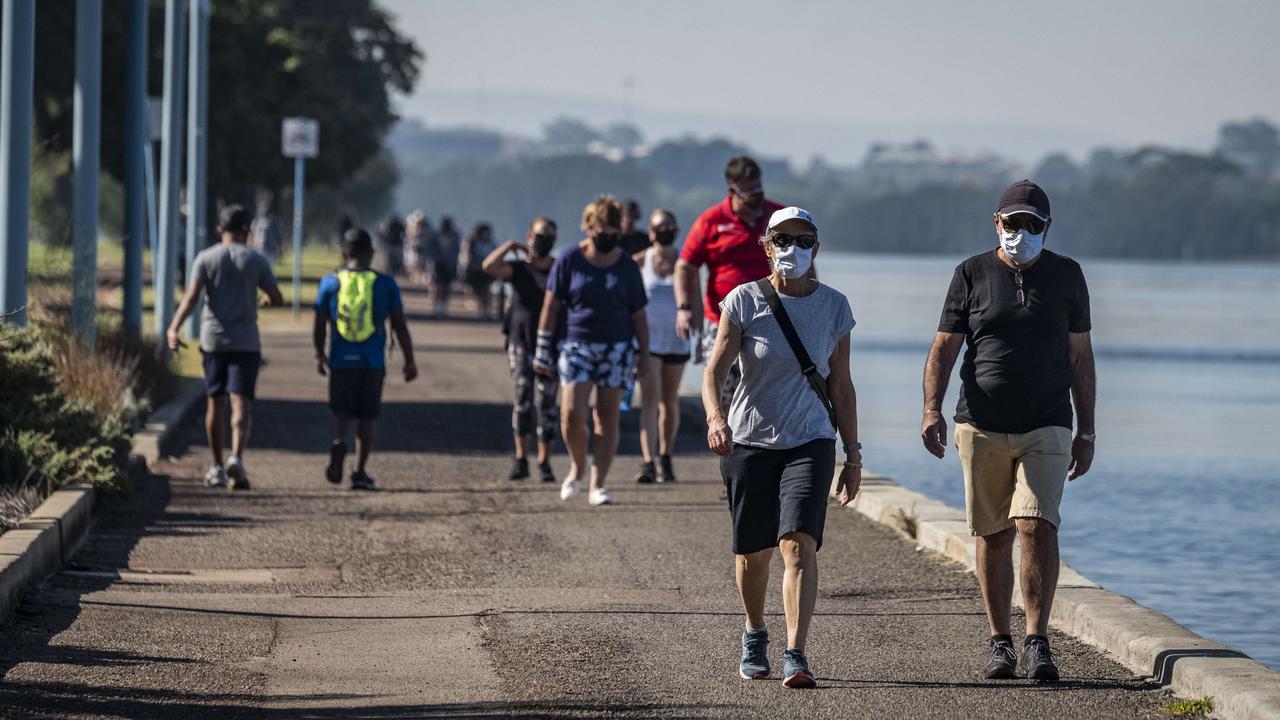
pixel 725 238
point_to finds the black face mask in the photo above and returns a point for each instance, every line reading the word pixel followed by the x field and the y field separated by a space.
pixel 542 244
pixel 665 237
pixel 605 242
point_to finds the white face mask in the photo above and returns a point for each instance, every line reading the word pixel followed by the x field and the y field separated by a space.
pixel 1021 246
pixel 792 262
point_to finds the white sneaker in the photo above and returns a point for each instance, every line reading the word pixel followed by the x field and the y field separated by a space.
pixel 569 488
pixel 215 477
pixel 237 478
pixel 600 497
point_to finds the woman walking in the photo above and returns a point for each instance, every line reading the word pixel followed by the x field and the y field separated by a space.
pixel 600 289
pixel 536 396
pixel 475 249
pixel 668 353
pixel 444 265
pixel 777 439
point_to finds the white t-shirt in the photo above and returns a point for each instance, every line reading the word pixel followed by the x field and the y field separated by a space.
pixel 774 406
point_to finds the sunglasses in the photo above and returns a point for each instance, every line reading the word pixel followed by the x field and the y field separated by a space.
pixel 1022 294
pixel 1023 221
pixel 804 242
pixel 545 237
pixel 745 195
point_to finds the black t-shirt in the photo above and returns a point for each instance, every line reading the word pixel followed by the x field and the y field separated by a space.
pixel 1016 373
pixel 529 285
pixel 634 241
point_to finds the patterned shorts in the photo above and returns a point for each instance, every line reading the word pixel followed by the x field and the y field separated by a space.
pixel 610 365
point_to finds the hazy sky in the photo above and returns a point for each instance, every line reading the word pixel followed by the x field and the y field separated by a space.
pixel 825 78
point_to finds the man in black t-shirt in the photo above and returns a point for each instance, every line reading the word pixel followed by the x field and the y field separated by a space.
pixel 633 239
pixel 1023 313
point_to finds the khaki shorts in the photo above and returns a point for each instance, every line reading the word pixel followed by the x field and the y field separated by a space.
pixel 1012 475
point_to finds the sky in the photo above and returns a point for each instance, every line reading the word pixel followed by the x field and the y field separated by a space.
pixel 808 79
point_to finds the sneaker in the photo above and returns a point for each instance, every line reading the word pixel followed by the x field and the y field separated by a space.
pixel 1037 659
pixel 215 477
pixel 519 469
pixel 1003 662
pixel 665 473
pixel 548 475
pixel 337 456
pixel 795 670
pixel 360 480
pixel 600 497
pixel 237 478
pixel 755 655
pixel 569 488
pixel 646 474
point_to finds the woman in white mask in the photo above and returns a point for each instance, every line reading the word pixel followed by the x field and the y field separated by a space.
pixel 777 438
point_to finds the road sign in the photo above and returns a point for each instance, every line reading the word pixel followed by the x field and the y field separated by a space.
pixel 300 137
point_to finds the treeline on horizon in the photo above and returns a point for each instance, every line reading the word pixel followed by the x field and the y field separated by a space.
pixel 1155 203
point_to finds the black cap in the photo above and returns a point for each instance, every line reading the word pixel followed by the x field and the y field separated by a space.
pixel 234 218
pixel 1024 196
pixel 356 242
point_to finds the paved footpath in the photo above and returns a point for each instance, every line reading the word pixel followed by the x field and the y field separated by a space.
pixel 456 593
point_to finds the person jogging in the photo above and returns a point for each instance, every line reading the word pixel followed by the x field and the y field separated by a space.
pixel 600 289
pixel 777 438
pixel 536 403
pixel 668 352
pixel 228 277
pixel 352 307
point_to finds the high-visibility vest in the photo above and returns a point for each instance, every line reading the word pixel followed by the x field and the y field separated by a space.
pixel 355 304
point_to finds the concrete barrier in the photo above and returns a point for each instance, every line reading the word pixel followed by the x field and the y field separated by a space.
pixel 1140 638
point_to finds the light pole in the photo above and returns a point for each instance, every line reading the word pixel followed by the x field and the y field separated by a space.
pixel 135 171
pixel 17 64
pixel 170 168
pixel 197 139
pixel 86 130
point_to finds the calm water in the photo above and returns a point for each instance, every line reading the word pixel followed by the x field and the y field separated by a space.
pixel 1181 510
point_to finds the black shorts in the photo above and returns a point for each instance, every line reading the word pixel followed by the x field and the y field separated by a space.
pixel 775 492
pixel 231 372
pixel 671 358
pixel 356 392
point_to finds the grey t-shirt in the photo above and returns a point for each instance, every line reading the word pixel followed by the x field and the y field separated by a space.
pixel 232 275
pixel 774 406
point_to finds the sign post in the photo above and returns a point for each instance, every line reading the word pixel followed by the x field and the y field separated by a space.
pixel 299 139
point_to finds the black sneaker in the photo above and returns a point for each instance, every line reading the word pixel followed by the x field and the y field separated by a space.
pixel 548 475
pixel 519 469
pixel 337 456
pixel 360 480
pixel 1003 664
pixel 665 473
pixel 1037 659
pixel 646 474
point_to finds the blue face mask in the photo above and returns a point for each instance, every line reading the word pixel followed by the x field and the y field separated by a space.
pixel 1021 246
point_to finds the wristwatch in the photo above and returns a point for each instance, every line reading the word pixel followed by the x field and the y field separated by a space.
pixel 1088 437
pixel 852 448
pixel 684 306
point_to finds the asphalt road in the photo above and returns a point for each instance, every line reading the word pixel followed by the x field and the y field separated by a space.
pixel 456 593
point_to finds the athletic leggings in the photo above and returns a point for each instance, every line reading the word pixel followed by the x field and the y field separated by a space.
pixel 537 397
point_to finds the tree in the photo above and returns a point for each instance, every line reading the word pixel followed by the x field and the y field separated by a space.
pixel 1253 145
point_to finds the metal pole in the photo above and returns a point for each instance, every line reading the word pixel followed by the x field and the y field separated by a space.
pixel 17 65
pixel 153 222
pixel 298 176
pixel 86 129
pixel 170 167
pixel 197 95
pixel 135 141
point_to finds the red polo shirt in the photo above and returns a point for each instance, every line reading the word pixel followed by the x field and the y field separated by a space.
pixel 729 248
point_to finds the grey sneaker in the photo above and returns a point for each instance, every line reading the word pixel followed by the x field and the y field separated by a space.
pixel 646 474
pixel 1003 663
pixel 755 654
pixel 215 477
pixel 795 670
pixel 1037 659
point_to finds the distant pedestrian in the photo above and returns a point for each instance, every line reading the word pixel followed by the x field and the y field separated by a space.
pixel 600 289
pixel 724 238
pixel 265 231
pixel 536 410
pixel 1023 311
pixel 633 240
pixel 228 276
pixel 777 438
pixel 668 352
pixel 352 307
pixel 391 239
pixel 444 245
pixel 417 247
pixel 475 249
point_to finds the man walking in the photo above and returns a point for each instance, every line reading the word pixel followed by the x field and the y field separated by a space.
pixel 725 238
pixel 1023 313
pixel 229 275
pixel 357 302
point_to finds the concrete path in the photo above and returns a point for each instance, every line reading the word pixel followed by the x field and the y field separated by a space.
pixel 456 593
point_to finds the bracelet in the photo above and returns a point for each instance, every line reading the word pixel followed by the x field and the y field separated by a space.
pixel 855 465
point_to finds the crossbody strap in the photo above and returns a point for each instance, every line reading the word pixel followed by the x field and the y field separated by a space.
pixel 807 367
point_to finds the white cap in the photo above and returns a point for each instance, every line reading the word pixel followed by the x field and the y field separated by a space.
pixel 791 213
